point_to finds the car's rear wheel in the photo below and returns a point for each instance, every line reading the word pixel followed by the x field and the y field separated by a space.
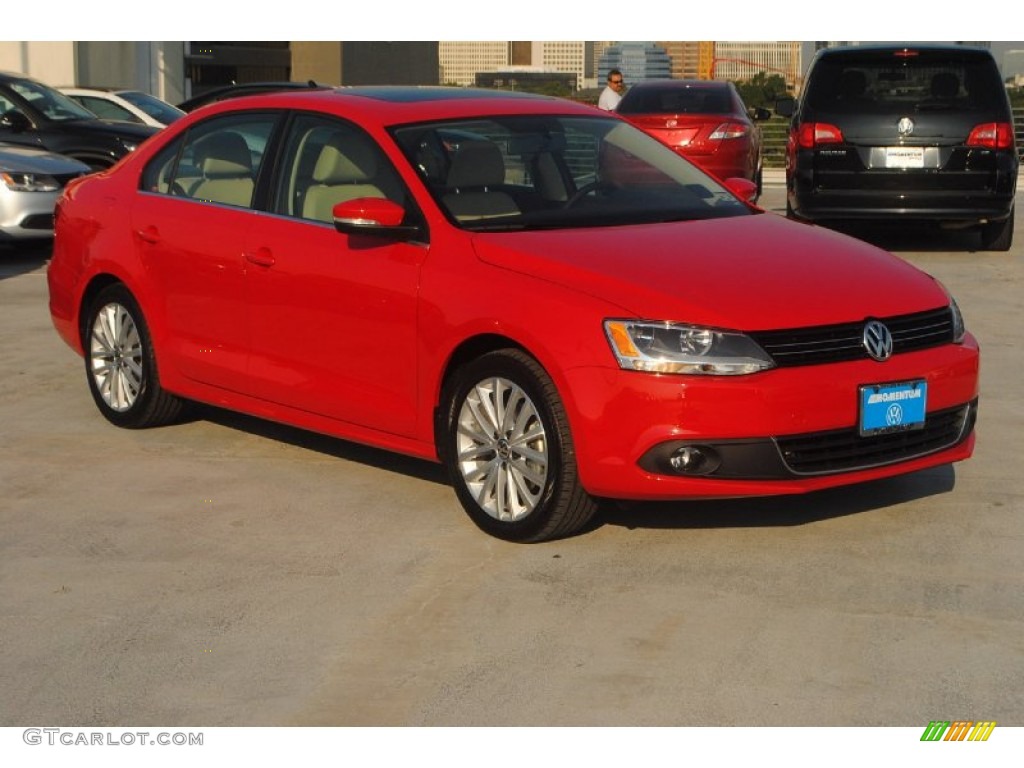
pixel 998 236
pixel 121 366
pixel 509 452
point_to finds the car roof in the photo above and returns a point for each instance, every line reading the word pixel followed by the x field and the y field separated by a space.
pixel 395 105
pixel 85 88
pixel 240 89
pixel 674 83
pixel 846 50
pixel 11 76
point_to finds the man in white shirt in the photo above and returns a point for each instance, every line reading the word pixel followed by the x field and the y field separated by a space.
pixel 612 94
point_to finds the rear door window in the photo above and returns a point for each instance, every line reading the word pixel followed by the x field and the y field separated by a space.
pixel 217 161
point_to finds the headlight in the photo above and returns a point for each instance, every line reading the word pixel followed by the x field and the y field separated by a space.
pixel 959 329
pixel 675 348
pixel 29 182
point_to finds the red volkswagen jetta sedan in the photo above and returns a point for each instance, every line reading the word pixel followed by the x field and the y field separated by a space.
pixel 537 294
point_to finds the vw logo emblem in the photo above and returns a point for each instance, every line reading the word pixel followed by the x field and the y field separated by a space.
pixel 905 126
pixel 894 415
pixel 877 340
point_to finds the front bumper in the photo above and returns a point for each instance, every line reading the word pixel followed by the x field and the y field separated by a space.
pixel 788 430
pixel 26 215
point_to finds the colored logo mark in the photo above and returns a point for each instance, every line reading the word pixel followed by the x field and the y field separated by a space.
pixel 958 730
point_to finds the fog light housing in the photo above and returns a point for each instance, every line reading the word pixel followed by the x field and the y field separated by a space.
pixel 694 460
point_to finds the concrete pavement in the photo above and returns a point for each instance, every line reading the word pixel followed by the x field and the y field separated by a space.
pixel 231 572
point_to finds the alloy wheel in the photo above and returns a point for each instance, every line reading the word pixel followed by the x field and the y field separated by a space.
pixel 115 357
pixel 502 449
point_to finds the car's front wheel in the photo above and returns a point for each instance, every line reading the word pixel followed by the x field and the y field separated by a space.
pixel 509 451
pixel 120 364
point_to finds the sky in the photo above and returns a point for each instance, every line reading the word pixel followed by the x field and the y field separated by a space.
pixel 482 20
pixel 509 20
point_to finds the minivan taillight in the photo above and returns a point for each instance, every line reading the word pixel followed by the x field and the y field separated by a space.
pixel 813 134
pixel 991 136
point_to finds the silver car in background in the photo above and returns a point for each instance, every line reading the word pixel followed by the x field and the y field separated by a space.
pixel 31 180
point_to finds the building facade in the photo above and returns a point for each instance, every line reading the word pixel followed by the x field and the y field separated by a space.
pixel 458 62
pixel 175 70
pixel 743 60
pixel 214 64
pixel 154 67
pixel 637 61
pixel 685 58
pixel 566 56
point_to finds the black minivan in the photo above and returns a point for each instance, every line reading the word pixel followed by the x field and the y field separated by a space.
pixel 908 134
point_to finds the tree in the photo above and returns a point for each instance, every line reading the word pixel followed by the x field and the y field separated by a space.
pixel 762 90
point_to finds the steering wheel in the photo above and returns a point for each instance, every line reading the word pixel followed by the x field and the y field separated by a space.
pixel 585 190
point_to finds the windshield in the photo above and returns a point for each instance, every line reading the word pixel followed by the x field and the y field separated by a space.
pixel 52 103
pixel 901 81
pixel 152 106
pixel 544 171
pixel 711 99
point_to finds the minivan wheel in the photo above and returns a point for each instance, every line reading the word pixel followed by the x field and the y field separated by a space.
pixel 120 364
pixel 997 236
pixel 509 452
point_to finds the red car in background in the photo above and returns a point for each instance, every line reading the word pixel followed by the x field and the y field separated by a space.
pixel 705 121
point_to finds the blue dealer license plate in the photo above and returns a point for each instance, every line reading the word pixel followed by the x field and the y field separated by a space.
pixel 892 407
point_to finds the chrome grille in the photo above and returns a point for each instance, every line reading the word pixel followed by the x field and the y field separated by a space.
pixel 840 343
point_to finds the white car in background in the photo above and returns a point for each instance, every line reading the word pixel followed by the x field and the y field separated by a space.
pixel 31 180
pixel 128 105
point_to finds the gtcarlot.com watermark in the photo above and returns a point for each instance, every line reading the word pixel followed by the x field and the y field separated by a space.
pixel 70 737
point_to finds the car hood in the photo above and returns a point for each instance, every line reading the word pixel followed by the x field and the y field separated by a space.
pixel 125 130
pixel 27 160
pixel 750 273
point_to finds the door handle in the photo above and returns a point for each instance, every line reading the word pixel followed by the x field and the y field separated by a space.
pixel 149 234
pixel 261 257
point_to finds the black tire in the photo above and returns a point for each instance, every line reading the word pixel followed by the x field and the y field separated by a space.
pixel 998 236
pixel 516 479
pixel 120 365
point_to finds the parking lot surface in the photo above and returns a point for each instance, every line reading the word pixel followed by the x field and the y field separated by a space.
pixel 228 571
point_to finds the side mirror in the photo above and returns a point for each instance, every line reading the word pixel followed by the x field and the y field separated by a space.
pixel 785 107
pixel 373 216
pixel 15 120
pixel 744 189
pixel 760 114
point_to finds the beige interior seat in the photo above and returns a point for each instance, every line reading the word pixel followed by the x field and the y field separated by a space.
pixel 343 171
pixel 476 171
pixel 226 165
